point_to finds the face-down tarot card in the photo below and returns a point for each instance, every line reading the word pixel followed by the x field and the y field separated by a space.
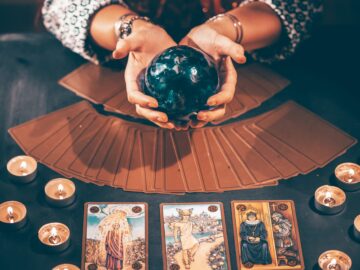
pixel 194 236
pixel 115 236
pixel 266 235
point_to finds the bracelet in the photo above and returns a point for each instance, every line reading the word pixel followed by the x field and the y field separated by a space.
pixel 237 25
pixel 124 28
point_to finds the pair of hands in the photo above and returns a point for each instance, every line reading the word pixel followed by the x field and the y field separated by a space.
pixel 254 239
pixel 148 40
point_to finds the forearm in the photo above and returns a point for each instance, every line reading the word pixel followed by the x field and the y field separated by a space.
pixel 102 25
pixel 261 25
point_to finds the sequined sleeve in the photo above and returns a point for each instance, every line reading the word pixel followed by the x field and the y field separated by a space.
pixel 69 21
pixel 298 18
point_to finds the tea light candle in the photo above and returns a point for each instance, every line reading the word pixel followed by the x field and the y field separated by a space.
pixel 334 260
pixel 60 192
pixel 22 169
pixel 357 227
pixel 55 236
pixel 12 215
pixel 348 176
pixel 329 199
pixel 66 266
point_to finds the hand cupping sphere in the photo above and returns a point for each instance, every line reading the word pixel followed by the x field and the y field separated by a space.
pixel 182 79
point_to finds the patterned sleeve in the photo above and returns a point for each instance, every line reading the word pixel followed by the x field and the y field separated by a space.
pixel 69 21
pixel 298 17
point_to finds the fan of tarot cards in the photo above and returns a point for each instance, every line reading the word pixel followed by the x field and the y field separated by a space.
pixel 78 141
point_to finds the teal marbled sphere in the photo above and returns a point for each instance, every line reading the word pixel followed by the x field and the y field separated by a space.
pixel 181 78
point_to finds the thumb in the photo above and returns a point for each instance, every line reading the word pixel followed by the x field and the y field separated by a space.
pixel 122 49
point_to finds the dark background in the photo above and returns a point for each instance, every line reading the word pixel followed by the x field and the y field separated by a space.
pixel 325 79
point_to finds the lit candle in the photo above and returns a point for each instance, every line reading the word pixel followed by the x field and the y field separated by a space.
pixel 329 199
pixel 22 169
pixel 66 266
pixel 334 260
pixel 12 215
pixel 357 227
pixel 347 176
pixel 54 236
pixel 60 192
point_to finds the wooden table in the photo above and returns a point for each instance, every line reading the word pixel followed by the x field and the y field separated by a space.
pixel 323 80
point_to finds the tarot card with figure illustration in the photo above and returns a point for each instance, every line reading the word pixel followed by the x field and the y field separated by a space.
pixel 266 235
pixel 194 236
pixel 115 236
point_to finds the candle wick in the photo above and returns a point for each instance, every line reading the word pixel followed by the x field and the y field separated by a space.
pixel 54 237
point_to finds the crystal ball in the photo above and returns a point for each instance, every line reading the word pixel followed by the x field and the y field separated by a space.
pixel 182 79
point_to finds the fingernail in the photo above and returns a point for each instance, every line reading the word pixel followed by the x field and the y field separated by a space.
pixel 162 119
pixel 201 117
pixel 153 105
pixel 242 59
pixel 211 103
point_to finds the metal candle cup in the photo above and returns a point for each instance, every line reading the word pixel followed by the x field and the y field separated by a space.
pixel 12 215
pixel 66 266
pixel 60 192
pixel 54 236
pixel 329 199
pixel 348 176
pixel 357 227
pixel 22 169
pixel 334 260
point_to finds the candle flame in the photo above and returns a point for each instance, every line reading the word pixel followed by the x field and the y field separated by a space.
pixel 328 194
pixel 60 188
pixel 10 212
pixel 53 232
pixel 23 167
pixel 333 265
pixel 351 173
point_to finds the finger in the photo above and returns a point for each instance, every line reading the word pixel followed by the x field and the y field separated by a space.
pixel 225 46
pixel 152 115
pixel 127 45
pixel 122 49
pixel 228 86
pixel 182 127
pixel 139 98
pixel 167 125
pixel 134 93
pixel 212 115
pixel 197 123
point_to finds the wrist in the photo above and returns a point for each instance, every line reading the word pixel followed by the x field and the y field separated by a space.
pixel 129 23
pixel 224 25
pixel 141 25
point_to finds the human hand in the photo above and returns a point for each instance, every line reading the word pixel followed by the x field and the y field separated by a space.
pixel 222 49
pixel 142 45
pixel 251 239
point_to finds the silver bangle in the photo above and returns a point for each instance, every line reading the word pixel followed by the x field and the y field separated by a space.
pixel 237 25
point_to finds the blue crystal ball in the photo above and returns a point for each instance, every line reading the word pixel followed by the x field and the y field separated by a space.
pixel 182 79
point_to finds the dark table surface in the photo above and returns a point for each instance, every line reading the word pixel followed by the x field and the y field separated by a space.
pixel 323 80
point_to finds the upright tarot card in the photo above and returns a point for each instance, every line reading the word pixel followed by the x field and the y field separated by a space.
pixel 194 236
pixel 115 236
pixel 267 235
